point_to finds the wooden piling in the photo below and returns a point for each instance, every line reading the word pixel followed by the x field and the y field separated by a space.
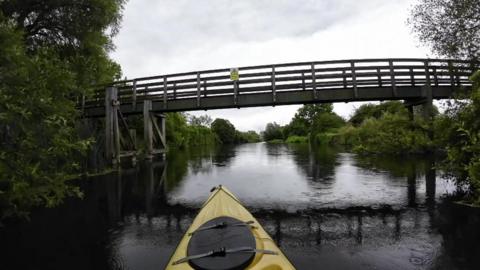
pixel 110 127
pixel 148 128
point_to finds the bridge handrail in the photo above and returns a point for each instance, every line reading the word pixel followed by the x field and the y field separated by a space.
pixel 312 76
pixel 325 62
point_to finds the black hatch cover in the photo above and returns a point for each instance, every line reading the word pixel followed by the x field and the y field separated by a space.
pixel 221 233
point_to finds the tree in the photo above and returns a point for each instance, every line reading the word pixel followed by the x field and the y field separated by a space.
pixel 50 53
pixel 462 132
pixel 325 122
pixel 225 130
pixel 301 124
pixel 273 131
pixel 202 120
pixel 367 111
pixel 307 113
pixel 450 27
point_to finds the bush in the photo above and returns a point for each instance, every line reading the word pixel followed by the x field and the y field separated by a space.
pixel 390 134
pixel 297 139
pixel 327 138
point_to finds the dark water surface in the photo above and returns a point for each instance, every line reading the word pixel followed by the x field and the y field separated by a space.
pixel 326 209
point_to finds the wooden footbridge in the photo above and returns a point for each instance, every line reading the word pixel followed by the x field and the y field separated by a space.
pixel 416 81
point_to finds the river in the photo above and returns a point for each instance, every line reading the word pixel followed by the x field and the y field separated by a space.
pixel 325 208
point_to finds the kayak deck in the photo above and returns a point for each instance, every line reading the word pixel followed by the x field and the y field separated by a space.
pixel 223 203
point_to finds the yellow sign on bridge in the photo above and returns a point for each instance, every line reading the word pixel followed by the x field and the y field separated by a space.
pixel 234 76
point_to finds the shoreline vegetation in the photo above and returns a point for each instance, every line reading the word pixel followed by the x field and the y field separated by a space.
pixel 184 130
pixel 388 129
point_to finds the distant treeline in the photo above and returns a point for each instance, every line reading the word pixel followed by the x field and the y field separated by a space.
pixel 184 130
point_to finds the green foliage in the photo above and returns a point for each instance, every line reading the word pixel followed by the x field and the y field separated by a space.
pixel 296 127
pixel 313 121
pixel 367 111
pixel 50 51
pixel 304 119
pixel 326 122
pixel 273 131
pixel 182 135
pixel 326 138
pixel 297 139
pixel 307 113
pixel 247 137
pixel 461 135
pixel 224 130
pixel 450 27
pixel 196 132
pixel 390 134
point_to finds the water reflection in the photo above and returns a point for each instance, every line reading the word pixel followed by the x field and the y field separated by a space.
pixel 322 206
pixel 293 177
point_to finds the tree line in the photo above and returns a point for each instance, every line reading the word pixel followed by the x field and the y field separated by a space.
pixel 184 130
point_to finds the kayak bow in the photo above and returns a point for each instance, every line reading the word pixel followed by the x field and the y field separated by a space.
pixel 224 235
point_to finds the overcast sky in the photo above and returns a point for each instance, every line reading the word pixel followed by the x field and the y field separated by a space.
pixel 161 37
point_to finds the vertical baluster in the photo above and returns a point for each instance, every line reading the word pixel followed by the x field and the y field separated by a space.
pixel 204 87
pixel 344 79
pixel 174 90
pixel 165 92
pixel 134 94
pixel 235 92
pixel 457 76
pixel 412 77
pixel 354 79
pixel 314 82
pixel 450 71
pixel 379 77
pixel 435 77
pixel 303 81
pixel 392 78
pixel 427 74
pixel 274 89
pixel 198 89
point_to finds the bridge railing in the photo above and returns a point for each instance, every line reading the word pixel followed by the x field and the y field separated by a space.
pixel 304 76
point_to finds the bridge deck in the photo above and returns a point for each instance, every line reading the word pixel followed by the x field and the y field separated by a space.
pixel 292 83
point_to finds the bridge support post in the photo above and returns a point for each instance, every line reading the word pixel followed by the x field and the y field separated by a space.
pixel 427 106
pixel 148 129
pixel 112 136
pixel 154 132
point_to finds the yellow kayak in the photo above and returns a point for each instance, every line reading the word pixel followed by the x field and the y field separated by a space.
pixel 224 235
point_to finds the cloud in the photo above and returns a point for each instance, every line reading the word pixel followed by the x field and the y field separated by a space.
pixel 160 37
